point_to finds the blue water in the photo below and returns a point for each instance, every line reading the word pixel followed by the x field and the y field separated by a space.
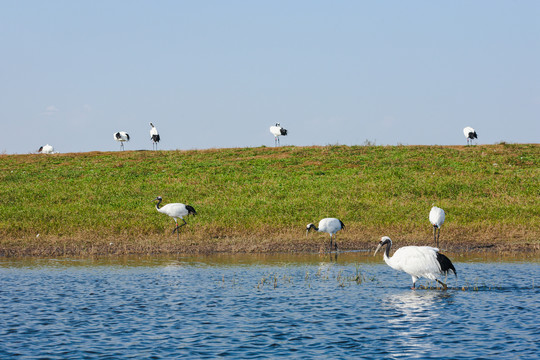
pixel 313 307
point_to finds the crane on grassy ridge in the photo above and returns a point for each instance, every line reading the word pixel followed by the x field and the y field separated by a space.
pixel 470 134
pixel 277 131
pixel 417 261
pixel 176 211
pixel 328 225
pixel 46 149
pixel 121 136
pixel 436 218
pixel 154 136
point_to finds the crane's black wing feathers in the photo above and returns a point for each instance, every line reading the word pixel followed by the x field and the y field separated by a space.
pixel 191 210
pixel 445 263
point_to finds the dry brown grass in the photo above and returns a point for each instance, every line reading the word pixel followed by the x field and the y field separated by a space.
pixel 453 239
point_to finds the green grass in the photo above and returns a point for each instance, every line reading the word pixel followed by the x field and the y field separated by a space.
pixel 266 196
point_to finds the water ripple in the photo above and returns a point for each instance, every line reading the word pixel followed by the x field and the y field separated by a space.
pixel 292 311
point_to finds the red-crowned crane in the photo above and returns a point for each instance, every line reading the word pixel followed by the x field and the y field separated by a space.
pixel 46 149
pixel 328 225
pixel 436 218
pixel 154 136
pixel 122 137
pixel 176 211
pixel 470 134
pixel 417 261
pixel 277 131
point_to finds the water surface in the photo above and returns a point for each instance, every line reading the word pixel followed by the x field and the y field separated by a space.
pixel 309 306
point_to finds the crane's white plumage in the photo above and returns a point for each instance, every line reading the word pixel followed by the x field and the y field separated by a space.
pixel 417 261
pixel 46 149
pixel 122 137
pixel 277 131
pixel 470 134
pixel 436 217
pixel 154 136
pixel 328 225
pixel 176 211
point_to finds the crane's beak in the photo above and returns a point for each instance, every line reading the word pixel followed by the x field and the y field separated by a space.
pixel 155 199
pixel 307 232
pixel 377 249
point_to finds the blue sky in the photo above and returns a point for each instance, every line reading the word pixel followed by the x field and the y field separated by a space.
pixel 219 73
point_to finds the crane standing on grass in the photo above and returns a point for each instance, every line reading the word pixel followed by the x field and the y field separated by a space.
pixel 470 134
pixel 154 136
pixel 277 131
pixel 46 149
pixel 328 225
pixel 176 211
pixel 122 137
pixel 436 217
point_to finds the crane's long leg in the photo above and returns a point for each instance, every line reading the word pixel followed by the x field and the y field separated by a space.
pixel 443 284
pixel 435 235
pixel 438 234
pixel 179 226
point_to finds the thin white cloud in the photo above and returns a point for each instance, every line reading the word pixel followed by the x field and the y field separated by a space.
pixel 50 110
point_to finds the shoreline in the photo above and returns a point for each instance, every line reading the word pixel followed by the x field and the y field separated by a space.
pixel 234 245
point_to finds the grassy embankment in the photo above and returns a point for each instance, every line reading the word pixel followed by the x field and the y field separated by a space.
pixel 260 199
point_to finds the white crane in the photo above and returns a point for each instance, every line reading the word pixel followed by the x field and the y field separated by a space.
pixel 176 211
pixel 122 137
pixel 417 261
pixel 327 225
pixel 277 131
pixel 470 134
pixel 436 218
pixel 46 149
pixel 154 136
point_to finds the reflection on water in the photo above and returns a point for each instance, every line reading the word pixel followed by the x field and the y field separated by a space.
pixel 414 314
pixel 346 257
pixel 306 306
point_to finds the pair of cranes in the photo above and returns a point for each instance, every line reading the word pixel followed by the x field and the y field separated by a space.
pixel 420 261
pixel 417 261
pixel 122 137
pixel 277 131
pixel 332 225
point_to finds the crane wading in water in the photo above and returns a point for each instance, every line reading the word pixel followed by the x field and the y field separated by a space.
pixel 175 210
pixel 328 225
pixel 417 261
